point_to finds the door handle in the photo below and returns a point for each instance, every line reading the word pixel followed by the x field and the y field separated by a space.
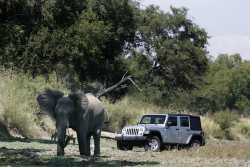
pixel 177 129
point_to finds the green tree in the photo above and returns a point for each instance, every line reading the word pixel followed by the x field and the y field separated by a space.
pixel 227 86
pixel 173 49
pixel 90 36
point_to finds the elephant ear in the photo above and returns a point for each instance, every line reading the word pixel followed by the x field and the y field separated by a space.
pixel 80 99
pixel 47 101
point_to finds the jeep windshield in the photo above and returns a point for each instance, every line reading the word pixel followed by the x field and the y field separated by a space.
pixel 153 119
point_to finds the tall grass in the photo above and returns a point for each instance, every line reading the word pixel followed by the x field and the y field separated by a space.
pixel 211 128
pixel 128 111
pixel 18 106
pixel 241 130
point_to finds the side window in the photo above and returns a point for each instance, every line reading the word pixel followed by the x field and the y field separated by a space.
pixel 184 121
pixel 146 120
pixel 172 121
pixel 160 120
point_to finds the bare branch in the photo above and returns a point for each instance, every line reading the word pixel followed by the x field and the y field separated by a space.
pixel 131 80
pixel 124 79
pixel 124 75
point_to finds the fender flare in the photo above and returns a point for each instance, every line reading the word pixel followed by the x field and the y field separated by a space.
pixel 154 133
pixel 193 136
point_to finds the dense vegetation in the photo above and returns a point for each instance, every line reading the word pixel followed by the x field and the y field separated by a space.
pixel 100 41
pixel 91 44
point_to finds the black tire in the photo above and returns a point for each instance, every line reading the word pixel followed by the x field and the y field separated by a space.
pixel 128 147
pixel 153 143
pixel 194 144
pixel 123 147
pixel 119 145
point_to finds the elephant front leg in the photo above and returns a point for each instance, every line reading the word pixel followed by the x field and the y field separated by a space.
pixel 61 133
pixel 97 137
pixel 83 143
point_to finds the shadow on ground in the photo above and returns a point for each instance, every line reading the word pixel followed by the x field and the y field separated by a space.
pixel 31 157
pixel 26 140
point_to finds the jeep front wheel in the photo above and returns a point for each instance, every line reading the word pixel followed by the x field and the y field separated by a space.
pixel 153 144
pixel 124 147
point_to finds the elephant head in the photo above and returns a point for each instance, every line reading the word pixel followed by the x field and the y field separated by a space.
pixel 47 101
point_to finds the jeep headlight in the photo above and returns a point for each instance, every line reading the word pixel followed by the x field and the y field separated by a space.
pixel 123 131
pixel 146 132
pixel 141 131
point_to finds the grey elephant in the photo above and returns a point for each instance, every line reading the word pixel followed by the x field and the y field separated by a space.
pixel 84 113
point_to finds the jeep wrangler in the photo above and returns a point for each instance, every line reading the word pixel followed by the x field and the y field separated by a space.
pixel 155 131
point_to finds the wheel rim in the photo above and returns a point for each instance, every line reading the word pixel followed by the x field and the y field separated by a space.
pixel 195 145
pixel 153 144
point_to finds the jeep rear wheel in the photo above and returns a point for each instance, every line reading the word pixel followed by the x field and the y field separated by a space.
pixel 153 144
pixel 194 144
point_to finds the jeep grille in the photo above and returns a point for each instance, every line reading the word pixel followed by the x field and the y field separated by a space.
pixel 132 131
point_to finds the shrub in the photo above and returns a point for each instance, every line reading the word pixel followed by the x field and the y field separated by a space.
pixel 241 130
pixel 211 128
pixel 226 119
pixel 128 111
pixel 18 101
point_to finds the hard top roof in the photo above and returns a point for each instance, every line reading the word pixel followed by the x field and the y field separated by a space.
pixel 174 115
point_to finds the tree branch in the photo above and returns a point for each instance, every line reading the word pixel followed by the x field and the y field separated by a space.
pixel 123 80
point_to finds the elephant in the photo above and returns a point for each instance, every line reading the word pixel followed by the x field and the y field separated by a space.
pixel 82 112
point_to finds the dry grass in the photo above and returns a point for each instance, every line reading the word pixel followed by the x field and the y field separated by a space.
pixel 40 153
pixel 129 110
pixel 241 130
pixel 18 107
pixel 18 101
pixel 211 128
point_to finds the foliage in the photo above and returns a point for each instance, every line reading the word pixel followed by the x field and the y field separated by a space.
pixel 98 39
pixel 211 128
pixel 241 130
pixel 88 35
pixel 128 110
pixel 171 53
pixel 226 120
pixel 18 106
pixel 226 87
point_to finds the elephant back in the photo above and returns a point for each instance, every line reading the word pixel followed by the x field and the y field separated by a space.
pixel 80 100
pixel 94 103
pixel 96 112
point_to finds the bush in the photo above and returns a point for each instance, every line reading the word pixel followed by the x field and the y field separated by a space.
pixel 241 130
pixel 211 128
pixel 128 111
pixel 226 119
pixel 18 104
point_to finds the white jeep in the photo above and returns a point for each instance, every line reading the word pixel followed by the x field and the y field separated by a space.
pixel 158 130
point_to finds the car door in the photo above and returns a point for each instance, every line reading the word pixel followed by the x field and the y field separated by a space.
pixel 184 129
pixel 171 130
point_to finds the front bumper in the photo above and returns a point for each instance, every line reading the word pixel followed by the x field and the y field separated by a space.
pixel 131 140
pixel 120 137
